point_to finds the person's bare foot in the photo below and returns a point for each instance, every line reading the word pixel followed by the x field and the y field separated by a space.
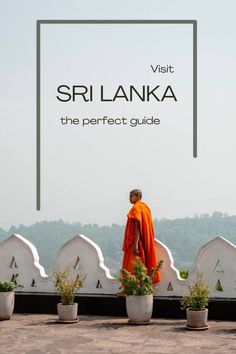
pixel 120 294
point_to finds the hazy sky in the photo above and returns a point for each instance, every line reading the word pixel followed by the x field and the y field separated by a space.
pixel 87 172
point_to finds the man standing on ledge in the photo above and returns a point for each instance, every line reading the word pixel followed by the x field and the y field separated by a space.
pixel 139 236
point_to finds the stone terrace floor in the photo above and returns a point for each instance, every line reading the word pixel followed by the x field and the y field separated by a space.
pixel 36 334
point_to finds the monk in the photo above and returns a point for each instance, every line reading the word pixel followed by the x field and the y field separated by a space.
pixel 139 236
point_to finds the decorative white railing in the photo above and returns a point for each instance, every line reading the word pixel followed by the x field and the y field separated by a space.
pixel 216 259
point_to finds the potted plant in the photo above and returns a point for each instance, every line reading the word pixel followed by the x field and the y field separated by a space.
pixel 67 286
pixel 195 304
pixel 7 299
pixel 139 288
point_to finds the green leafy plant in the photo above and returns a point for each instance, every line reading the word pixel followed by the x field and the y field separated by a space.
pixel 198 296
pixel 184 273
pixel 7 286
pixel 138 283
pixel 67 285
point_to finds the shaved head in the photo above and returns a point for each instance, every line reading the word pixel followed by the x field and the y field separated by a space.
pixel 137 193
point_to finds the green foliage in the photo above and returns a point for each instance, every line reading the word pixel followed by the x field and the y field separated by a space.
pixel 183 236
pixel 219 286
pixel 11 285
pixel 138 283
pixel 184 274
pixel 7 286
pixel 66 285
pixel 198 296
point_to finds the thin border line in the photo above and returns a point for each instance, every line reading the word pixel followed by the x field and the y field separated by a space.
pixel 195 89
pixel 38 81
pixel 38 113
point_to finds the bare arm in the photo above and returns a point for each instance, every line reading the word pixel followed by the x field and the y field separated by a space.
pixel 136 235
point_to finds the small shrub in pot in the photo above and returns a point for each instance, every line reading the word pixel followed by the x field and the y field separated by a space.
pixel 139 288
pixel 67 285
pixel 196 303
pixel 7 299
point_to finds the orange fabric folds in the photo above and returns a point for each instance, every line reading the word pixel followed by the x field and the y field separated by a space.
pixel 141 212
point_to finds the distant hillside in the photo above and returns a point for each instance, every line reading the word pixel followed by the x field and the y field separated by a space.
pixel 183 236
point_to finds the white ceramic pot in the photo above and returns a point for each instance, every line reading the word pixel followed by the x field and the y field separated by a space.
pixel 139 308
pixel 67 312
pixel 7 300
pixel 197 319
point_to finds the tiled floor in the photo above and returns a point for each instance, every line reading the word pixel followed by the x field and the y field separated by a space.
pixel 36 334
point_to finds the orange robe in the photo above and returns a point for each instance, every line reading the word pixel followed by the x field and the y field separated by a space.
pixel 146 244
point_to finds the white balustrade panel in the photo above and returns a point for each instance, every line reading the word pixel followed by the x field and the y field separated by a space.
pixel 19 261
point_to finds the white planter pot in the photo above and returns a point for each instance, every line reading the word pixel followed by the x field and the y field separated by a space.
pixel 139 308
pixel 7 300
pixel 67 312
pixel 197 319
